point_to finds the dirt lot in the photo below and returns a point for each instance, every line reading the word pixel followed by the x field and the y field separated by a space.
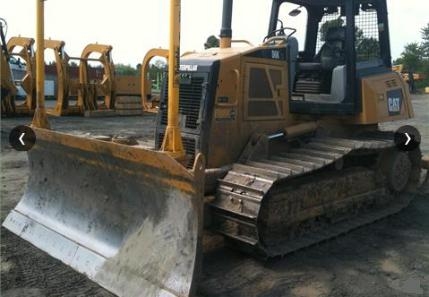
pixel 388 258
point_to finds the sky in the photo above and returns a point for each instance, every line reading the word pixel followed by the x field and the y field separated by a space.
pixel 134 26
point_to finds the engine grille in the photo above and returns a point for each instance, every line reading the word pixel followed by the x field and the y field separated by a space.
pixel 391 83
pixel 190 94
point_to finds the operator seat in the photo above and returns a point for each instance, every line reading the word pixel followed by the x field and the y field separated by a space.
pixel 331 54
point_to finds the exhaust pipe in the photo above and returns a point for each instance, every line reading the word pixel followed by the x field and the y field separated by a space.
pixel 226 31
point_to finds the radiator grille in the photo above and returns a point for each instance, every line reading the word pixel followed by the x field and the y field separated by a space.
pixel 191 93
pixel 189 104
pixel 391 83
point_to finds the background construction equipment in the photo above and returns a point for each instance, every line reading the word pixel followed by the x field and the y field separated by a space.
pixel 74 96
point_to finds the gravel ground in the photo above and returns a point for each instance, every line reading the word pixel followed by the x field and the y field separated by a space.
pixel 388 258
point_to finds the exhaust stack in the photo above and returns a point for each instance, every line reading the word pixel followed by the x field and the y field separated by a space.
pixel 226 31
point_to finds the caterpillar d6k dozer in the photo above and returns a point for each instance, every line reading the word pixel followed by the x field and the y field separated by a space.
pixel 282 148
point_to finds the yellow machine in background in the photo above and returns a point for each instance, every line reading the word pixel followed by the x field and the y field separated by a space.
pixel 128 95
pixel 405 75
pixel 63 80
pixel 88 95
pixel 280 146
pixel 92 94
pixel 149 103
pixel 134 92
pixel 8 87
pixel 22 47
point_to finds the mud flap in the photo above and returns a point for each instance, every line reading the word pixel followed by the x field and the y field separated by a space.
pixel 127 217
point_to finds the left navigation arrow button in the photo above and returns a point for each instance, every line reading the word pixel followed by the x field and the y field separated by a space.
pixel 22 138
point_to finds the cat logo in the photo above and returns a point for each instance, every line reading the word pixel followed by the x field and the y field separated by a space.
pixel 394 102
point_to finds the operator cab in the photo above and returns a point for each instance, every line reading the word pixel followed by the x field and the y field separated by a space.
pixel 332 45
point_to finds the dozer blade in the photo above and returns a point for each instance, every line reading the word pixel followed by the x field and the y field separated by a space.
pixel 127 217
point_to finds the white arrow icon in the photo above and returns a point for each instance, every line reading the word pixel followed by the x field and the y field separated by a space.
pixel 408 138
pixel 20 138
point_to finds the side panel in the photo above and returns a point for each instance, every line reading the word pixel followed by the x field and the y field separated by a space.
pixel 385 97
pixel 243 108
pixel 226 123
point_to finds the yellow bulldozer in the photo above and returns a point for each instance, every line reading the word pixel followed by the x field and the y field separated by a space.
pixel 91 96
pixel 276 147
pixel 406 75
pixel 12 79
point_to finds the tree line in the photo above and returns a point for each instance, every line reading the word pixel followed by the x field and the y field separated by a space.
pixel 155 69
pixel 415 57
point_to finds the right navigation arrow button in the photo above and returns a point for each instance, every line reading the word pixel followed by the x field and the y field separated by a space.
pixel 408 138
